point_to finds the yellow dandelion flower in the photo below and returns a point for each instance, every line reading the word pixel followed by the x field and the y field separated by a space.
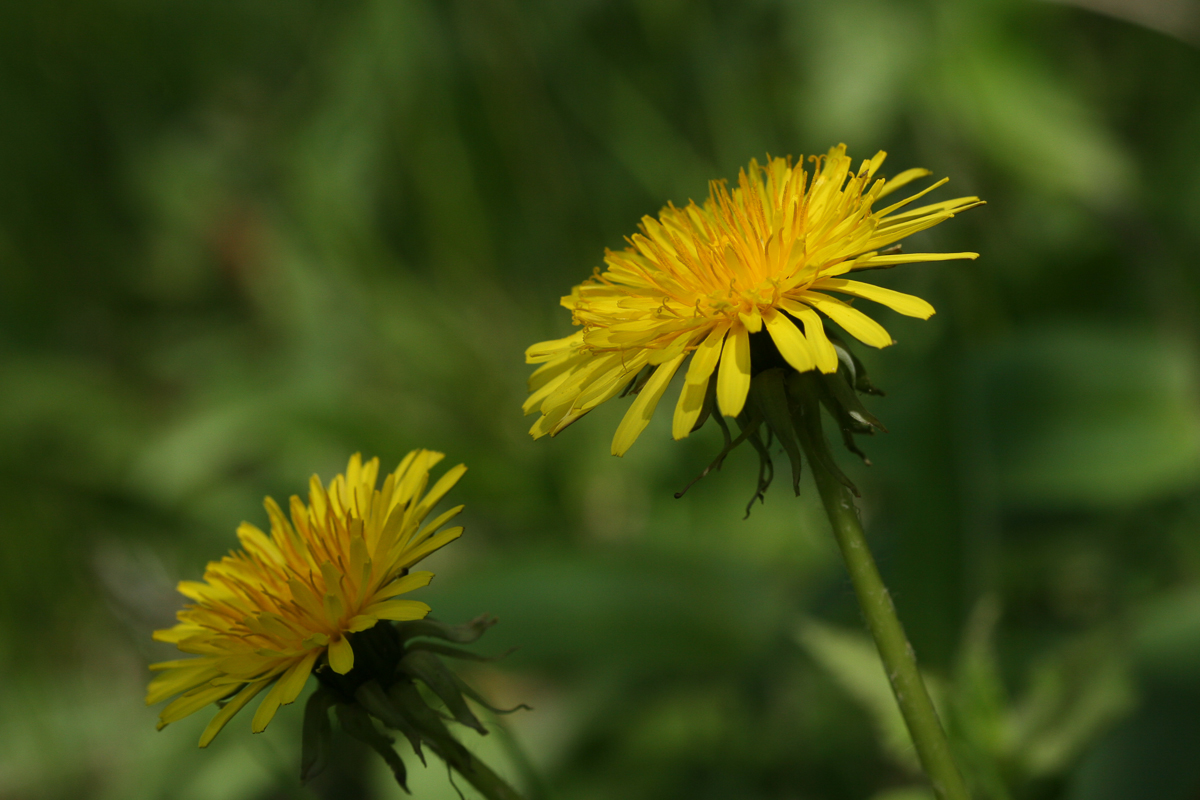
pixel 266 614
pixel 705 281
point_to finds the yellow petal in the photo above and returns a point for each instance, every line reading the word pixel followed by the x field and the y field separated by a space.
pixel 791 343
pixel 176 664
pixel 897 206
pixel 875 163
pixel 273 625
pixel 179 633
pixel 680 343
pixel 907 304
pixel 398 610
pixel 414 580
pixel 945 208
pixel 439 490
pixel 544 351
pixel 360 562
pixel 909 258
pixel 417 477
pixel 695 385
pixel 286 690
pixel 235 704
pixel 688 408
pixel 856 323
pixel 425 548
pixel 539 394
pixel 888 234
pixel 903 179
pixel 292 682
pixel 332 598
pixel 341 655
pixel 438 521
pixel 601 368
pixel 256 542
pixel 190 703
pixel 556 368
pixel 194 590
pixel 610 384
pixel 639 413
pixel 266 710
pixel 814 331
pixel 752 321
pixel 733 377
pixel 183 678
pixel 303 595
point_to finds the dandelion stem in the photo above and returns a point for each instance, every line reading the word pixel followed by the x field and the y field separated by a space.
pixel 477 773
pixel 899 660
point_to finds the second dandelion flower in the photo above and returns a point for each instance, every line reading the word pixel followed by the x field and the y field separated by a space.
pixel 324 594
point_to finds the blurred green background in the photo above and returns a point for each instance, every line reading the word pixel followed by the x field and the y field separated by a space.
pixel 242 240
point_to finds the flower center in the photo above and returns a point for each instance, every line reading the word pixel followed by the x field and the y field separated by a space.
pixel 737 300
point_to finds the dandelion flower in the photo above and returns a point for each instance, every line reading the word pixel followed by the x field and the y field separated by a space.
pixel 754 268
pixel 266 615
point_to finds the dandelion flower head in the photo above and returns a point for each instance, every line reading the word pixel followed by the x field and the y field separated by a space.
pixel 266 615
pixel 702 280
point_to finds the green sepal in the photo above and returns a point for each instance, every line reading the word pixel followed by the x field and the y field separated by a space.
pixel 842 401
pixel 460 684
pixel 456 652
pixel 430 670
pixel 466 689
pixel 357 722
pixel 848 411
pixel 749 427
pixel 461 634
pixel 408 700
pixel 790 404
pixel 766 468
pixel 377 703
pixel 803 392
pixel 769 391
pixel 858 372
pixel 317 734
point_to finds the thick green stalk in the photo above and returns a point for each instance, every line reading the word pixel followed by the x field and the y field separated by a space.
pixel 897 655
pixel 477 773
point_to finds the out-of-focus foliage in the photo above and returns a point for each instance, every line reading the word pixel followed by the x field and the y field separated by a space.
pixel 239 241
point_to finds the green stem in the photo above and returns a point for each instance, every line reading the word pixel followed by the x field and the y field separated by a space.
pixel 477 773
pixel 897 655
